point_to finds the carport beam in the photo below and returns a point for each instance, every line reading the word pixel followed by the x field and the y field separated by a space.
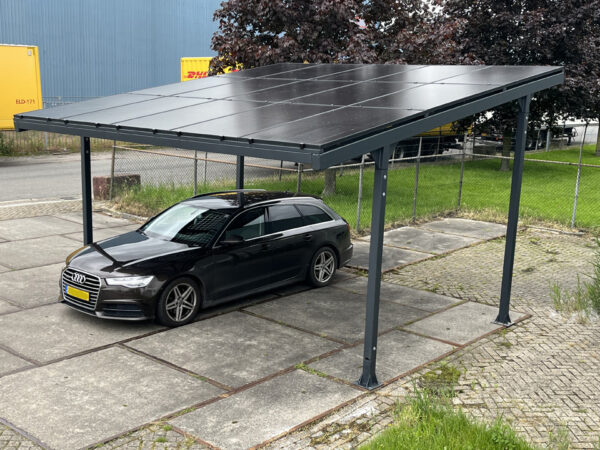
pixel 513 212
pixel 368 378
pixel 86 190
pixel 239 173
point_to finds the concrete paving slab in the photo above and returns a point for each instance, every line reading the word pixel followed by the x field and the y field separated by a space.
pixel 103 233
pixel 248 348
pixel 78 402
pixel 342 275
pixel 98 220
pixel 7 307
pixel 2 268
pixel 10 362
pixel 31 287
pixel 265 410
pixel 33 227
pixel 392 256
pixel 56 331
pixel 35 252
pixel 422 240
pixel 334 312
pixel 415 298
pixel 397 353
pixel 460 324
pixel 465 227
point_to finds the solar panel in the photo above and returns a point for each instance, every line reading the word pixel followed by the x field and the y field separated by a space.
pixel 177 118
pixel 254 120
pixel 353 93
pixel 298 106
pixel 291 91
pixel 428 96
pixel 369 72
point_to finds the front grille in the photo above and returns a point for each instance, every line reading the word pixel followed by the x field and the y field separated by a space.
pixel 83 281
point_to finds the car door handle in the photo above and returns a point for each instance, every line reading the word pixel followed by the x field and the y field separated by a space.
pixel 265 247
pixel 308 237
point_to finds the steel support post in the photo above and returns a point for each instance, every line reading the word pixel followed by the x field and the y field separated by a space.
pixel 368 378
pixel 239 173
pixel 86 190
pixel 513 211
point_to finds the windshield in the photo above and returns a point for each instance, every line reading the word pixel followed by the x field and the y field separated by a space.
pixel 185 223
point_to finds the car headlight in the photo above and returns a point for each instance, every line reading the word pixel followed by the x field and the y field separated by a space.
pixel 130 282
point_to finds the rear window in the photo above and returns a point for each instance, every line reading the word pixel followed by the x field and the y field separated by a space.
pixel 282 218
pixel 313 214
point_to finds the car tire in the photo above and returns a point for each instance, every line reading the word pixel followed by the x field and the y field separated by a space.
pixel 322 267
pixel 179 303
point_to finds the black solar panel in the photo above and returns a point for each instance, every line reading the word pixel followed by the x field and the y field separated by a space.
pixel 316 106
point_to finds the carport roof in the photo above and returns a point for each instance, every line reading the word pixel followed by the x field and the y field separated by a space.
pixel 321 114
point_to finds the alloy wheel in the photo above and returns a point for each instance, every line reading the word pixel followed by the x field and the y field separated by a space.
pixel 324 267
pixel 181 302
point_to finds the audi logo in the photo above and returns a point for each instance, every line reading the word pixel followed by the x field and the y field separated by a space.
pixel 78 278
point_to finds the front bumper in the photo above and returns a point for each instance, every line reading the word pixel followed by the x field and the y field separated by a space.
pixel 110 302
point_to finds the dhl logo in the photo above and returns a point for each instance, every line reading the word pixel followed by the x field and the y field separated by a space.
pixel 192 75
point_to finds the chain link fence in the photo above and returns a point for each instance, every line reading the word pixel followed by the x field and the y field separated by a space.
pixel 423 183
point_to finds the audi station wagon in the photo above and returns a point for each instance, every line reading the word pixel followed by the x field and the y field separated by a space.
pixel 207 250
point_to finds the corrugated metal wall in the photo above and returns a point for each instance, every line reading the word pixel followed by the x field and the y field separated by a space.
pixel 91 48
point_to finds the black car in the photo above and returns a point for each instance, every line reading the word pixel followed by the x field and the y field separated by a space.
pixel 206 250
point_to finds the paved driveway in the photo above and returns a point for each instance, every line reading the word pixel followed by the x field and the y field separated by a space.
pixel 241 375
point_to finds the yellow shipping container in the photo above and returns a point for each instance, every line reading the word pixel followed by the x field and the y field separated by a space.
pixel 21 88
pixel 194 68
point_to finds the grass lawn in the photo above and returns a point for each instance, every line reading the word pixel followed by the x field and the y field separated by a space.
pixel 547 193
pixel 426 423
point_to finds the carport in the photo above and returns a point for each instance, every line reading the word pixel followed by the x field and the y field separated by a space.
pixel 317 114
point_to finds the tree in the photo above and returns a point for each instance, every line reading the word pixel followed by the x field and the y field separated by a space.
pixel 259 32
pixel 527 32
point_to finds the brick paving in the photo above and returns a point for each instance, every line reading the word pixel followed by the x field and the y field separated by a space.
pixel 18 209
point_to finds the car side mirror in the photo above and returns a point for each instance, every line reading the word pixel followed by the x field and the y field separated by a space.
pixel 234 239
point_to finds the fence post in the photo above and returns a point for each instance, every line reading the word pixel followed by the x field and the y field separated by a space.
pixel 578 176
pixel 280 168
pixel 195 172
pixel 205 164
pixel 112 171
pixel 299 180
pixel 414 214
pixel 462 167
pixel 360 190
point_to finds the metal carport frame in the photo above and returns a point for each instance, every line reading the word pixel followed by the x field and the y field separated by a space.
pixel 326 104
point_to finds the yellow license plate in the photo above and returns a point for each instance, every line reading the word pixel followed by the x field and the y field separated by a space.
pixel 78 293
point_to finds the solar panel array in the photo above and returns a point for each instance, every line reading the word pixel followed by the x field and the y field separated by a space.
pixel 310 105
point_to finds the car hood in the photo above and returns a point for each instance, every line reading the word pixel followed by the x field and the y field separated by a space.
pixel 124 250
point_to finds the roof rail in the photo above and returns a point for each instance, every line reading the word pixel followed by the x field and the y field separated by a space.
pixel 227 192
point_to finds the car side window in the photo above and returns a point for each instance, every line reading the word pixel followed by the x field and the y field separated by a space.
pixel 248 225
pixel 282 218
pixel 313 214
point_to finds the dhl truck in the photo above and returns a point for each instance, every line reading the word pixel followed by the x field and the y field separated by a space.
pixel 194 68
pixel 20 84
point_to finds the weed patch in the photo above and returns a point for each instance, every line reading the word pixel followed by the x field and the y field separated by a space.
pixel 440 382
pixel 584 300
pixel 427 422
